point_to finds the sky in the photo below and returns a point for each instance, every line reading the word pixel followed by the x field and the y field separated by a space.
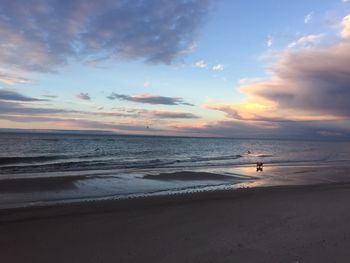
pixel 244 69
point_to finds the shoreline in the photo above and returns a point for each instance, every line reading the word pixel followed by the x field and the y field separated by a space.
pixel 55 189
pixel 307 223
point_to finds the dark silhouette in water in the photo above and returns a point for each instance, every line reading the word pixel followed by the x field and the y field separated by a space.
pixel 259 166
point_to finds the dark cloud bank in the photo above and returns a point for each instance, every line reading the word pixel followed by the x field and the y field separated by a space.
pixel 310 91
pixel 314 80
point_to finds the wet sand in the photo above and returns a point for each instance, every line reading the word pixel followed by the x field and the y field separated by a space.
pixel 187 176
pixel 274 224
pixel 38 184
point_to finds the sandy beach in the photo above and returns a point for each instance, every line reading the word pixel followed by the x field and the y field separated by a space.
pixel 271 224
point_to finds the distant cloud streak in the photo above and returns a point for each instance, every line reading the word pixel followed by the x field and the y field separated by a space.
pixel 83 96
pixel 285 130
pixel 15 107
pixel 81 123
pixel 8 108
pixel 15 96
pixel 172 115
pixel 12 78
pixel 150 99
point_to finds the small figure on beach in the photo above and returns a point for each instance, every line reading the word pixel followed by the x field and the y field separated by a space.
pixel 249 152
pixel 259 166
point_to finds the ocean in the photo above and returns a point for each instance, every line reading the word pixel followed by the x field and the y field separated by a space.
pixel 32 165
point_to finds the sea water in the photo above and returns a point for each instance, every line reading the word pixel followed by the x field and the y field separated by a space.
pixel 114 165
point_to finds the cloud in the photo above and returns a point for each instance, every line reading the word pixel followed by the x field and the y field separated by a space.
pixel 145 114
pixel 269 42
pixel 218 67
pixel 201 64
pixel 236 126
pixel 108 125
pixel 83 96
pixel 15 96
pixel 8 108
pixel 15 103
pixel 11 78
pixel 11 109
pixel 306 41
pixel 15 107
pixel 285 130
pixel 218 129
pixel 312 82
pixel 172 115
pixel 308 93
pixel 81 123
pixel 150 99
pixel 308 18
pixel 346 27
pixel 248 81
pixel 305 85
pixel 147 83
pixel 49 96
pixel 41 35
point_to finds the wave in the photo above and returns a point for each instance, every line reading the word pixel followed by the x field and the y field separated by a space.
pixel 264 155
pixel 65 163
pixel 80 166
pixel 213 158
pixel 49 139
pixel 28 159
pixel 40 164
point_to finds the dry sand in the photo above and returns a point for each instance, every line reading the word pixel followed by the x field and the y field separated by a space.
pixel 275 224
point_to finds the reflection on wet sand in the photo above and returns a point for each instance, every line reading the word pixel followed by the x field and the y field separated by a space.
pixel 298 174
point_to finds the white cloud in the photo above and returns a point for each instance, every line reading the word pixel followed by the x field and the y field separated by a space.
pixel 306 41
pixel 269 42
pixel 201 64
pixel 345 1
pixel 13 78
pixel 308 18
pixel 249 81
pixel 147 83
pixel 346 27
pixel 218 67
